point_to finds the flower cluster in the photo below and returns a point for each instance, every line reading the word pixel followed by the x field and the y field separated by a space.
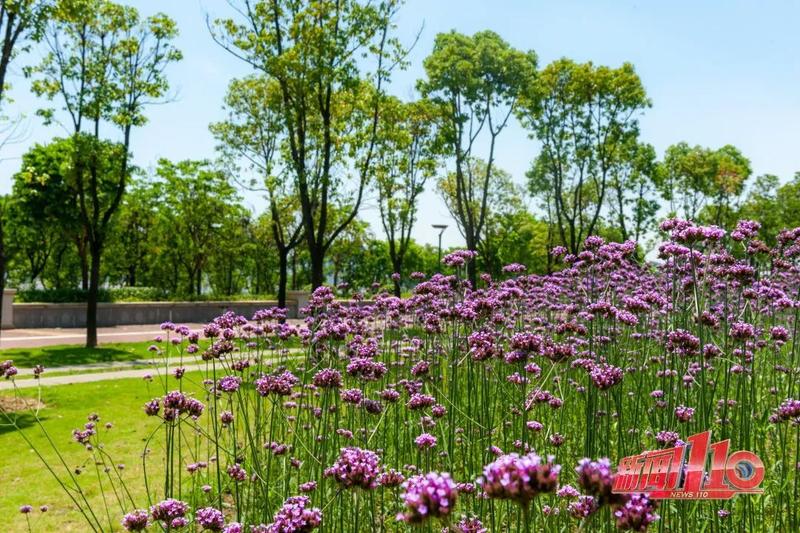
pixel 432 495
pixel 520 478
pixel 295 516
pixel 280 384
pixel 355 468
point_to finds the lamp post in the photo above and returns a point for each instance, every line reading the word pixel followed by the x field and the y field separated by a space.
pixel 441 228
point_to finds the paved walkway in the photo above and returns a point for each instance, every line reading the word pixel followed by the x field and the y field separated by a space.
pixel 72 379
pixel 33 338
pixel 127 369
pixel 111 365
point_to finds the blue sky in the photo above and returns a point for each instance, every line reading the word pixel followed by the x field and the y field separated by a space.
pixel 718 72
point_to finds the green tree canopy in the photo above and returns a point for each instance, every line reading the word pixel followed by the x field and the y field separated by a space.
pixel 585 116
pixel 478 80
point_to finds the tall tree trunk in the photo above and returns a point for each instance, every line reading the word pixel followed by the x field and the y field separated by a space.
pixel 317 266
pixel 82 254
pixel 472 266
pixel 283 276
pixel 294 270
pixel 91 302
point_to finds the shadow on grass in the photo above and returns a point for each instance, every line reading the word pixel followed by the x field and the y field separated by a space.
pixel 55 356
pixel 19 420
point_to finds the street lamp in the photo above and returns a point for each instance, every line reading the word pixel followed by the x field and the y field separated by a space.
pixel 441 228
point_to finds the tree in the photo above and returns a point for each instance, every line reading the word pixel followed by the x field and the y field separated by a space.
pixel 318 51
pixel 197 203
pixel 106 65
pixel 584 116
pixel 44 216
pixel 229 265
pixel 632 204
pixel 478 80
pixel 21 21
pixel 134 230
pixel 253 134
pixel 350 258
pixel 701 180
pixel 516 237
pixel 265 262
pixel 501 199
pixel 407 156
pixel 776 207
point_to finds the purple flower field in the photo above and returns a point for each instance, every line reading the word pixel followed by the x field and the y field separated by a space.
pixel 506 407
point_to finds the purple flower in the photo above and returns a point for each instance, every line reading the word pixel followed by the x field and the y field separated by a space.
pixel 605 376
pixel 568 491
pixel 596 478
pixel 667 438
pixel 390 395
pixel 432 495
pixel 742 331
pixel 469 525
pixel 745 229
pixel 519 478
pixel 210 518
pixel 788 410
pixel 636 514
pixel 229 384
pixel 426 441
pixel 373 407
pixel 354 396
pixel 514 268
pixel 328 378
pixel 177 403
pixel 585 506
pixel 295 516
pixel 366 369
pixel 420 368
pixel 459 258
pixel 10 371
pixel 534 425
pixel 281 384
pixel 356 468
pixel 137 520
pixel 683 413
pixel 420 401
pixel 308 486
pixel 391 478
pixel 152 407
pixel 237 473
pixel 168 510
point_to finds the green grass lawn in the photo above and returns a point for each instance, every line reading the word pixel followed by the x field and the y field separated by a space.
pixel 25 480
pixel 68 355
pixel 52 357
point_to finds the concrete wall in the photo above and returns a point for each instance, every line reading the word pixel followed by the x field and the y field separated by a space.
pixel 73 315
